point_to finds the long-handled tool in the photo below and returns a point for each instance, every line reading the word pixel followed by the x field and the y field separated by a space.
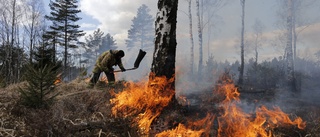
pixel 137 62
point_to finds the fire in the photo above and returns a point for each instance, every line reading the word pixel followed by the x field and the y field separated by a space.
pixel 143 99
pixel 181 131
pixel 58 79
pixel 235 122
pixel 194 129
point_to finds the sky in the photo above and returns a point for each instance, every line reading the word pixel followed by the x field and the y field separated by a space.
pixel 114 17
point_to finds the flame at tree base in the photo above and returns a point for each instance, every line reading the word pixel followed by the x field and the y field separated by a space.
pixel 143 100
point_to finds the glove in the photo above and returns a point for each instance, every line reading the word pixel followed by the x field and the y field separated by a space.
pixel 123 70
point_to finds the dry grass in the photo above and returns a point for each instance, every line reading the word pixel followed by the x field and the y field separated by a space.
pixel 77 111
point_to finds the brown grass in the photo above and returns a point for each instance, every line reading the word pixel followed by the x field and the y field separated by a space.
pixel 77 111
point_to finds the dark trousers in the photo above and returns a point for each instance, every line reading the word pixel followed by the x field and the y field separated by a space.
pixel 110 76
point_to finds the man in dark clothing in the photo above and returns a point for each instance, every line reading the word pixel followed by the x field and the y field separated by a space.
pixel 105 63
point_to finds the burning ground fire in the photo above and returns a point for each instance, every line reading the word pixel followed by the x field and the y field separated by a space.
pixel 145 103
pixel 235 122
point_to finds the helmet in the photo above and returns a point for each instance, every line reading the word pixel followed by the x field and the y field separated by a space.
pixel 120 53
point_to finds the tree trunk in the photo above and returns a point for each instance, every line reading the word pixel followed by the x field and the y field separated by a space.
pixel 13 24
pixel 200 27
pixel 163 63
pixel 191 38
pixel 65 48
pixel 289 54
pixel 256 51
pixel 242 45
pixel 294 30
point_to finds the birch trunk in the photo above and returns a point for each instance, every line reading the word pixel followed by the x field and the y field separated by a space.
pixel 200 26
pixel 242 44
pixel 191 38
pixel 289 54
pixel 163 63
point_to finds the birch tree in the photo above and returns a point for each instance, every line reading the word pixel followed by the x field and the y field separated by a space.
pixel 289 53
pixel 300 22
pixel 200 30
pixel 208 8
pixel 191 36
pixel 240 82
pixel 164 56
pixel 257 36
pixel 9 19
pixel 32 26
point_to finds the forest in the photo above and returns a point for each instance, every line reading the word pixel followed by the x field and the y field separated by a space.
pixel 213 68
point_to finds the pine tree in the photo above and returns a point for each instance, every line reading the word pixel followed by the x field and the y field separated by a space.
pixel 98 43
pixel 93 42
pixel 108 42
pixel 40 76
pixel 141 34
pixel 63 16
pixel 51 38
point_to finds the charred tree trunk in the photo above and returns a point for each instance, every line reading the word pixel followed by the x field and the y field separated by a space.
pixel 163 63
pixel 289 54
pixel 240 82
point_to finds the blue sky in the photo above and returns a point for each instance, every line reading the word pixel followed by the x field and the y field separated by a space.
pixel 114 17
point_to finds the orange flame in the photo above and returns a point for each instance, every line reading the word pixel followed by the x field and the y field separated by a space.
pixel 142 99
pixel 235 122
pixel 145 101
pixel 195 129
pixel 181 131
pixel 58 79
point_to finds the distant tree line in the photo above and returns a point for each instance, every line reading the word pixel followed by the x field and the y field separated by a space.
pixel 290 21
pixel 267 75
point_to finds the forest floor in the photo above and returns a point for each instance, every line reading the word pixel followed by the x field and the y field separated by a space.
pixel 82 112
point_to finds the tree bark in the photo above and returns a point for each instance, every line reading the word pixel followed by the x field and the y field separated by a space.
pixel 191 38
pixel 289 54
pixel 240 82
pixel 200 28
pixel 163 63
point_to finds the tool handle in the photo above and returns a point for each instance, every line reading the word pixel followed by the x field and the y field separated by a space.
pixel 126 70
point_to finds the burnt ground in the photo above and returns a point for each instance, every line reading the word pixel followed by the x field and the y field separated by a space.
pixel 294 104
pixel 80 112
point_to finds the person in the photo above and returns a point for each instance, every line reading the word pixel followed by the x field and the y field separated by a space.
pixel 105 63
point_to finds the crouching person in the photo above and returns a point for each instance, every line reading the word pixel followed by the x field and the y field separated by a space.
pixel 105 63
